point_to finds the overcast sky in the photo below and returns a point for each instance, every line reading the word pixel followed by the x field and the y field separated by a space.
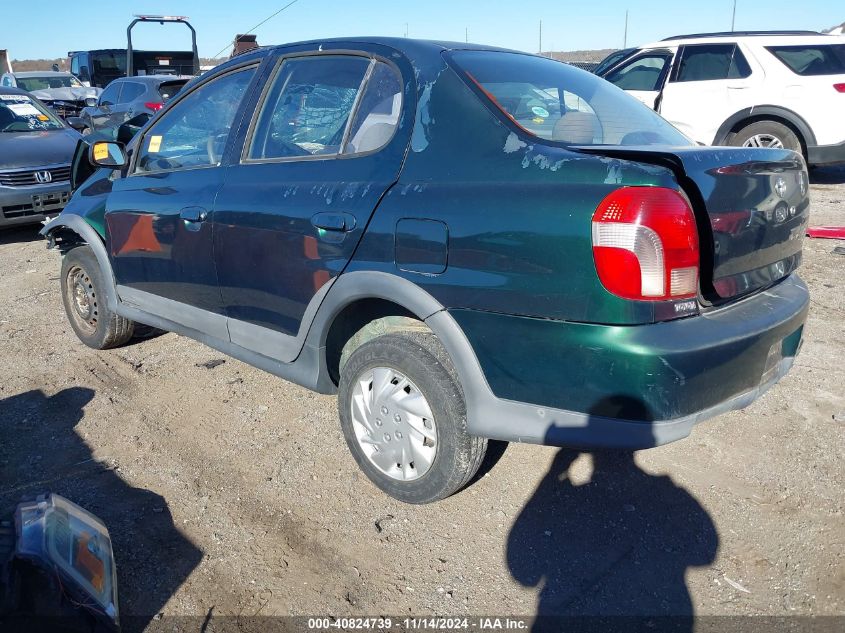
pixel 51 28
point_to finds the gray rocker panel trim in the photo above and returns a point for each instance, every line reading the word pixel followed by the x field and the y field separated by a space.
pixel 306 371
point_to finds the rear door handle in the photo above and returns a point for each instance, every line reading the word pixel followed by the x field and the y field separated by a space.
pixel 334 221
pixel 193 214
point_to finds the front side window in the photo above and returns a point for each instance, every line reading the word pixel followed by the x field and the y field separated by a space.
pixel 111 93
pixel 194 133
pixel 308 107
pixel 557 102
pixel 131 91
pixel 711 62
pixel 19 113
pixel 643 73
pixel 812 60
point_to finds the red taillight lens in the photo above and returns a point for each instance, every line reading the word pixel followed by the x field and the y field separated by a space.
pixel 839 87
pixel 645 244
pixel 155 106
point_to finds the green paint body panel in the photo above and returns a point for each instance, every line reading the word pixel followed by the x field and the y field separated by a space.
pixel 651 372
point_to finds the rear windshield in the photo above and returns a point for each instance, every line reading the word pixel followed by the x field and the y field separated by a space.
pixel 810 60
pixel 557 102
pixel 19 113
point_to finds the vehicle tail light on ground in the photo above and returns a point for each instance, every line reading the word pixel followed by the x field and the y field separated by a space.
pixel 155 106
pixel 839 87
pixel 645 244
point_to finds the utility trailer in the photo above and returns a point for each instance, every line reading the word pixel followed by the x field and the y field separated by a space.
pixel 102 66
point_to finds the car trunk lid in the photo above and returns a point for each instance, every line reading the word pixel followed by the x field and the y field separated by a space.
pixel 752 208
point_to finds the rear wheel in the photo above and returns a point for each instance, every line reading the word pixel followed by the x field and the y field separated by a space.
pixel 769 134
pixel 403 415
pixel 85 302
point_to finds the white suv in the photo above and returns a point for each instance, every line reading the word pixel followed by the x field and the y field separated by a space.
pixel 752 89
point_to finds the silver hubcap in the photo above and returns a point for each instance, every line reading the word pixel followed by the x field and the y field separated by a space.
pixel 764 140
pixel 393 424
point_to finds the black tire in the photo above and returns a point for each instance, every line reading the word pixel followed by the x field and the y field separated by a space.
pixel 424 361
pixel 767 130
pixel 85 304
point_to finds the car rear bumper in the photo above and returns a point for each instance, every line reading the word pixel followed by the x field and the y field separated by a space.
pixel 559 383
pixel 826 154
pixel 25 205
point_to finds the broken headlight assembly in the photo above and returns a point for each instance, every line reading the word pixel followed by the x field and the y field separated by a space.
pixel 63 539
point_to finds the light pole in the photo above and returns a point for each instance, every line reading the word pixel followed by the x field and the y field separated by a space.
pixel 625 39
pixel 733 17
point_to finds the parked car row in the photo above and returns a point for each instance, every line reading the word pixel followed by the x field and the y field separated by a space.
pixel 760 89
pixel 60 91
pixel 36 148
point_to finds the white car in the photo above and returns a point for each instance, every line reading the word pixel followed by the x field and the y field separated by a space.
pixel 750 89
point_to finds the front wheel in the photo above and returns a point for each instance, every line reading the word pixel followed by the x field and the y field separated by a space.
pixel 403 415
pixel 85 302
pixel 769 134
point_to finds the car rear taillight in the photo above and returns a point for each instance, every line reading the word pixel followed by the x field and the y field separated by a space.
pixel 155 106
pixel 839 87
pixel 645 244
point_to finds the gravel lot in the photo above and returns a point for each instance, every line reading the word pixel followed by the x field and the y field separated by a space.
pixel 229 491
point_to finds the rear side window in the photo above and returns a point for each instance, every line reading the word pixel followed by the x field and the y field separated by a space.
pixel 378 111
pixel 169 89
pixel 808 61
pixel 712 62
pixel 308 108
pixel 557 102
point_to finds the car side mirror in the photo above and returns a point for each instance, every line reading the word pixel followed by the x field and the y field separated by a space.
pixel 107 154
pixel 55 68
pixel 77 123
pixel 91 101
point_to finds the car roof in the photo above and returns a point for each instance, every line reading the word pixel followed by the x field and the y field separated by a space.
pixel 41 73
pixel 153 79
pixel 764 38
pixel 401 44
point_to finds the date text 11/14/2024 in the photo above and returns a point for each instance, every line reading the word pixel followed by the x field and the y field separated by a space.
pixel 420 624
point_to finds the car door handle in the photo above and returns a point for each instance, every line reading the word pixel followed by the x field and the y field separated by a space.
pixel 334 221
pixel 193 214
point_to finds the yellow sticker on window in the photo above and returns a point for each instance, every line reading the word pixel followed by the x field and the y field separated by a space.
pixel 43 117
pixel 101 151
pixel 155 144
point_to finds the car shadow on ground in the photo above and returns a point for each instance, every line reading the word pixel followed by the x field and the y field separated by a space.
pixel 42 451
pixel 832 175
pixel 20 235
pixel 609 552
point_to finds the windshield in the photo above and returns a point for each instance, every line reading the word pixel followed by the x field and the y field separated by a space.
pixel 19 113
pixel 557 102
pixel 109 63
pixel 43 83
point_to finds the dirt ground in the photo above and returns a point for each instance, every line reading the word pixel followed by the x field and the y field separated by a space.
pixel 231 492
